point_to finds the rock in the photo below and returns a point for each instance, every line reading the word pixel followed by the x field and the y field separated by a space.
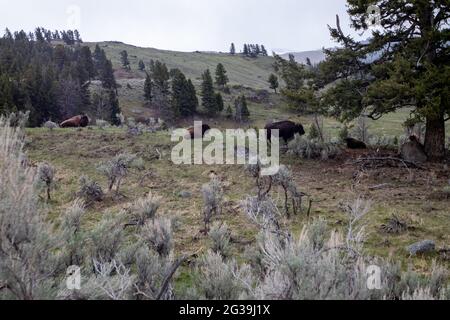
pixel 185 194
pixel 426 246
pixel 413 151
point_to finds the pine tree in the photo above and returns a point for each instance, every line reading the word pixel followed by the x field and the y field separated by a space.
pixel 219 102
pixel 183 92
pixel 141 65
pixel 246 50
pixel 273 81
pixel 232 49
pixel 242 112
pixel 209 100
pixel 264 51
pixel 414 73
pixel 229 112
pixel 124 60
pixel 148 85
pixel 221 76
pixel 115 108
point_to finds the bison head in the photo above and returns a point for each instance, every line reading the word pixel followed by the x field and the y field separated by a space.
pixel 299 129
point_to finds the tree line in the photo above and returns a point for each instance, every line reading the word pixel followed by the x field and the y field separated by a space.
pixel 250 50
pixel 52 82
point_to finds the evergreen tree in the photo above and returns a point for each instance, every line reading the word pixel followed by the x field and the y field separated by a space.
pixel 246 51
pixel 273 81
pixel 209 99
pixel 148 85
pixel 124 60
pixel 232 49
pixel 141 65
pixel 404 63
pixel 229 112
pixel 219 102
pixel 161 77
pixel 183 103
pixel 242 112
pixel 221 76
pixel 264 51
pixel 115 108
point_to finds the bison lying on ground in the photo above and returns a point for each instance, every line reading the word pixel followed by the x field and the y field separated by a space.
pixel 76 122
pixel 205 128
pixel 288 130
pixel 355 144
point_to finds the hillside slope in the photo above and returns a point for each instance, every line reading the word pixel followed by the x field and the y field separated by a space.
pixel 243 71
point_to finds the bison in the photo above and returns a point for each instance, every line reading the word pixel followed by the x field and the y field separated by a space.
pixel 205 128
pixel 76 122
pixel 287 130
pixel 355 144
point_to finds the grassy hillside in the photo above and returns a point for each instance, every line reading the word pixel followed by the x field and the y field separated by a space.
pixel 243 71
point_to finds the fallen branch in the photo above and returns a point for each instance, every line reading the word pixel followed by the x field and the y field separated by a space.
pixel 406 164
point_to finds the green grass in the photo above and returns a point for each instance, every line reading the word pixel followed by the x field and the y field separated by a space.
pixel 329 183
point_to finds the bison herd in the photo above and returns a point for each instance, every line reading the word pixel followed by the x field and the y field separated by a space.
pixel 287 130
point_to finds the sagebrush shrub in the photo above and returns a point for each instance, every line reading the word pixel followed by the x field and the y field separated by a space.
pixel 90 190
pixel 144 209
pixel 313 149
pixel 212 201
pixel 221 238
pixel 46 174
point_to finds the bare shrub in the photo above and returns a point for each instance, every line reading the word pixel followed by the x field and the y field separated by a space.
pixel 89 190
pixel 221 238
pixel 212 201
pixel 285 180
pixel 118 168
pixel 46 174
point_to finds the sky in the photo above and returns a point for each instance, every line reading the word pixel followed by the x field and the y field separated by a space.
pixel 185 25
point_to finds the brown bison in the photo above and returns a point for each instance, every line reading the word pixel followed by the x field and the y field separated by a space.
pixel 287 130
pixel 355 144
pixel 205 128
pixel 76 122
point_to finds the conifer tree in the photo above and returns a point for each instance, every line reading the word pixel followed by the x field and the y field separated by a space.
pixel 221 76
pixel 209 99
pixel 273 81
pixel 148 85
pixel 232 49
pixel 124 60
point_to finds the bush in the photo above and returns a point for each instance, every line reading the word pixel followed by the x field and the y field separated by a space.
pixel 157 234
pixel 27 243
pixel 90 190
pixel 144 209
pixel 313 149
pixel 221 237
pixel 46 174
pixel 102 124
pixel 51 125
pixel 212 201
pixel 285 180
pixel 118 168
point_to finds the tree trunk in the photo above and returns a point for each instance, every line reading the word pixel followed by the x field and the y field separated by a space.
pixel 435 138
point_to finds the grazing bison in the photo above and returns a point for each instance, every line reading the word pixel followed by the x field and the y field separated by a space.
pixel 76 122
pixel 205 128
pixel 287 130
pixel 355 144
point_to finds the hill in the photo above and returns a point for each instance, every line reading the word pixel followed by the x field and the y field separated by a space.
pixel 316 56
pixel 248 72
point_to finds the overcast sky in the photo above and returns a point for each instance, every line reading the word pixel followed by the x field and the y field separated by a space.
pixel 185 25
